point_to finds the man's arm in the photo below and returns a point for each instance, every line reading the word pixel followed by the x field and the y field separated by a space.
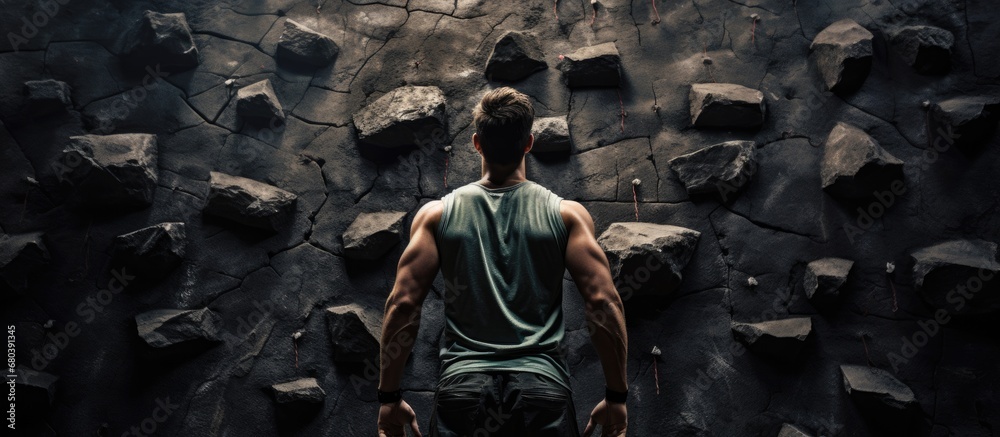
pixel 589 268
pixel 416 270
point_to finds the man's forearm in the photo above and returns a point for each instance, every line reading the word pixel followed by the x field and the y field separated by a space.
pixel 606 321
pixel 399 332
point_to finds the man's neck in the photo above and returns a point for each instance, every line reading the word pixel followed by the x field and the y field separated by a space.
pixel 502 176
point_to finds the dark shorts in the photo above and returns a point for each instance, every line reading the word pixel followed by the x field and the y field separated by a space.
pixel 502 404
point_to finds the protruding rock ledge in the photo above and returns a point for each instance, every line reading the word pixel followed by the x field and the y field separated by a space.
pixel 843 54
pixel 593 66
pixel 44 97
pixel 825 277
pixel 354 333
pixel 515 56
pixel 405 116
pixel 160 39
pixel 964 122
pixel 775 338
pixel 249 202
pixel 22 258
pixel 551 135
pixel 721 169
pixel 925 48
pixel 372 234
pixel 302 45
pixel 299 391
pixel 881 397
pixel 152 251
pixel 855 166
pixel 162 329
pixel 789 430
pixel 258 104
pixel 35 390
pixel 961 276
pixel 726 106
pixel 110 171
pixel 647 258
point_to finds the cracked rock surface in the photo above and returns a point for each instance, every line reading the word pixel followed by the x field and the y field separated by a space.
pixel 278 276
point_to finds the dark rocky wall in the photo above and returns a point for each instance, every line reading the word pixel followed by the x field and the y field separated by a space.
pixel 197 373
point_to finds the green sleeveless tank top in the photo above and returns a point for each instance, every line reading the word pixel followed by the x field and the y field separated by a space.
pixel 502 253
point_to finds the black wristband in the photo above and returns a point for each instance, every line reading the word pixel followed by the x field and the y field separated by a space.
pixel 389 397
pixel 615 397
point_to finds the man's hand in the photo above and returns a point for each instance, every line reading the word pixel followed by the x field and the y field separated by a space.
pixel 612 417
pixel 393 419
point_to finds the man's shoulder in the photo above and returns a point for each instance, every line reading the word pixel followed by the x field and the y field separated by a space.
pixel 571 207
pixel 430 212
pixel 573 213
